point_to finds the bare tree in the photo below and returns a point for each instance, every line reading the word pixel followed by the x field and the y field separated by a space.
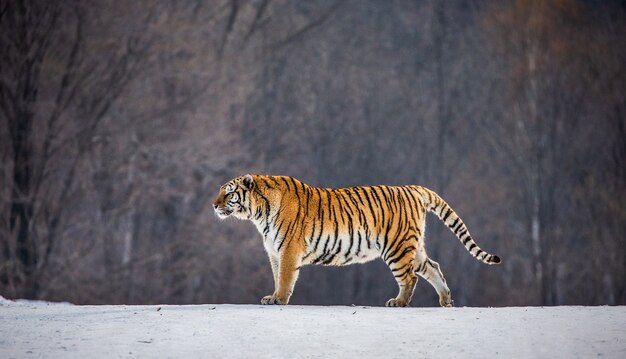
pixel 45 152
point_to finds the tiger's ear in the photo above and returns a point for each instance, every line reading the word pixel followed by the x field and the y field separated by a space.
pixel 248 181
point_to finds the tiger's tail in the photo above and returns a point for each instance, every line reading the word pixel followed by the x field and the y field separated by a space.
pixel 438 206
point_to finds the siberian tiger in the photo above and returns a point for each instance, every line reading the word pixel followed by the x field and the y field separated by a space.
pixel 301 225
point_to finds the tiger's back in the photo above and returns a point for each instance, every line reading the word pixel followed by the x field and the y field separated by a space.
pixel 303 225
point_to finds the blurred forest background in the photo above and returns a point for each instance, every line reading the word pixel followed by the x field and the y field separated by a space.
pixel 119 120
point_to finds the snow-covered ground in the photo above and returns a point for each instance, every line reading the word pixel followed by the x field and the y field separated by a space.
pixel 39 329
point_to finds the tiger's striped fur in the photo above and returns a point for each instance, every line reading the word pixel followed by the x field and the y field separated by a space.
pixel 302 225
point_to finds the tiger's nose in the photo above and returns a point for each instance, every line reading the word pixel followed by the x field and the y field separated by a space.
pixel 215 205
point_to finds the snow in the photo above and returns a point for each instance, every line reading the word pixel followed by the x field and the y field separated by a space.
pixel 39 329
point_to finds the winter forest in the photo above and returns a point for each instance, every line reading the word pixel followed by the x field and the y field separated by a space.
pixel 119 120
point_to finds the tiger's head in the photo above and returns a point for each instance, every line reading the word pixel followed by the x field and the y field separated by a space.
pixel 234 198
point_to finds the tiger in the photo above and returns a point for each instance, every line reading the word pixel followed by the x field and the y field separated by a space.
pixel 303 225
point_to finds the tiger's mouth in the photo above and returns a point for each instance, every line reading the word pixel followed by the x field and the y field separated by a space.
pixel 223 212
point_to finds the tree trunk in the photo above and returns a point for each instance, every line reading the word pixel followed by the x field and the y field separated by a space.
pixel 21 213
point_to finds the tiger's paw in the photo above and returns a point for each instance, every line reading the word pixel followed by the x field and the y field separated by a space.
pixel 270 299
pixel 446 303
pixel 395 302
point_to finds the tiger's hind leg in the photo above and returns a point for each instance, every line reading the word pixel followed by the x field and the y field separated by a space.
pixel 401 261
pixel 429 270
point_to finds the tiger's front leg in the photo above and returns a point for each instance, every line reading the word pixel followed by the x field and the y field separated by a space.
pixel 271 299
pixel 288 269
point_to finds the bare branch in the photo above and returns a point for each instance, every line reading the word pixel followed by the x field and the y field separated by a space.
pixel 61 100
pixel 230 24
pixel 308 27
pixel 256 23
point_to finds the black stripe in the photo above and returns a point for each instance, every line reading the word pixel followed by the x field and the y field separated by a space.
pixel 358 247
pixel 428 263
pixel 334 217
pixel 287 231
pixel 297 220
pixel 273 179
pixel 396 247
pixel 369 203
pixel 362 216
pixel 265 182
pixel 319 204
pixel 443 206
pixel 284 179
pixel 356 208
pixel 382 191
pixel 329 201
pixel 403 211
pixel 404 273
pixel 304 228
pixel 422 267
pixel 295 187
pixel 318 259
pixel 319 236
pixel 401 255
pixel 340 210
pixel 321 214
pixel 380 204
pixel 411 201
pixel 447 214
pixel 396 238
pixel 400 268
pixel 267 209
pixel 351 235
pixel 385 239
pixel 459 226
pixel 273 219
pixel 341 198
pixel 312 234
pixel 326 244
pixel 332 257
pixel 392 244
pixel 308 200
pixel 278 229
pixel 358 196
pixel 307 256
pixel 324 251
pixel 328 260
pixel 420 208
pixel 348 260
